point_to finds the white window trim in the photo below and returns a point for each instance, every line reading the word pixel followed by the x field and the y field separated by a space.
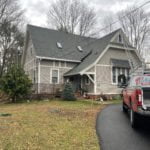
pixel 51 76
pixel 117 74
pixel 112 76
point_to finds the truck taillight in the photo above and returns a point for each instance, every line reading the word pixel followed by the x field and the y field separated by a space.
pixel 139 97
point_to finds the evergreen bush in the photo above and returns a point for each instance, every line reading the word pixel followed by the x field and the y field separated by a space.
pixel 15 83
pixel 68 93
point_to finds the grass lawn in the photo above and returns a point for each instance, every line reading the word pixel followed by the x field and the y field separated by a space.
pixel 53 125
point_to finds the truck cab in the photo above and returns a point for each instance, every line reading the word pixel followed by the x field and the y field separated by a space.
pixel 136 96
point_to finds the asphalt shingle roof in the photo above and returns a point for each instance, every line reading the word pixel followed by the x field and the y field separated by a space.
pixel 45 44
pixel 98 47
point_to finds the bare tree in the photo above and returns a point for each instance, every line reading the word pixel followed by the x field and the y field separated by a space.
pixel 135 23
pixel 10 11
pixel 87 20
pixel 11 39
pixel 72 16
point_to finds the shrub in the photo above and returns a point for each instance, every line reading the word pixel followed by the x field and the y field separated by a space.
pixel 16 83
pixel 68 93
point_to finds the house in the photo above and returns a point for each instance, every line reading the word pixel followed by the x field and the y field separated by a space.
pixel 52 57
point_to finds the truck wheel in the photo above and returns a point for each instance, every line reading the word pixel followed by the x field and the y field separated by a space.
pixel 124 107
pixel 133 119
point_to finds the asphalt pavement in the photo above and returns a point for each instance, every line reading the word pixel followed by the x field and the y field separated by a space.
pixel 115 132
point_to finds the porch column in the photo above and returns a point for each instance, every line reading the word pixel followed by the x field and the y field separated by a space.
pixel 39 75
pixel 81 82
pixel 93 81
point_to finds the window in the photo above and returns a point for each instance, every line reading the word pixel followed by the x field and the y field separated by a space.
pixel 120 39
pixel 54 78
pixel 114 75
pixel 59 45
pixel 79 48
pixel 116 71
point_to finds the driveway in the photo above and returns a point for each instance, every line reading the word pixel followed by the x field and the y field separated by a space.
pixel 115 133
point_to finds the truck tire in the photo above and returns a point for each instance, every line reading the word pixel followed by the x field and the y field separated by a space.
pixel 124 107
pixel 133 119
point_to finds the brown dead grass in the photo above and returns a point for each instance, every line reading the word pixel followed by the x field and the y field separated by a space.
pixel 56 125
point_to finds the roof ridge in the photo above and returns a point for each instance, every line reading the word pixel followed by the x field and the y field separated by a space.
pixel 113 32
pixel 46 28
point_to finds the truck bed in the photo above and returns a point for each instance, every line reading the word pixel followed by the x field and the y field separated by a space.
pixel 146 96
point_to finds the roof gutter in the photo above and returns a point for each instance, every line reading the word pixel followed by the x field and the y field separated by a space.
pixel 58 59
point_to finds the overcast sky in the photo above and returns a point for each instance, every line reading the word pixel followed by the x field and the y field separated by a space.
pixel 36 9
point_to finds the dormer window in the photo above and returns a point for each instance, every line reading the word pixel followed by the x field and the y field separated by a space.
pixel 120 38
pixel 79 48
pixel 59 45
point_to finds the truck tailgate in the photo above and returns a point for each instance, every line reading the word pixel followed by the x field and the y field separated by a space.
pixel 146 96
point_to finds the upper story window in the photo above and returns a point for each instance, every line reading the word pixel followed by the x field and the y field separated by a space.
pixel 59 45
pixel 120 38
pixel 80 48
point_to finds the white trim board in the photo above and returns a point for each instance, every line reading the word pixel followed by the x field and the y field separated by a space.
pixel 94 63
pixel 58 59
pixel 120 47
pixel 98 59
pixel 102 65
pixel 55 67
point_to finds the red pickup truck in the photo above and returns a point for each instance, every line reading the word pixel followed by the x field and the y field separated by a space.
pixel 136 97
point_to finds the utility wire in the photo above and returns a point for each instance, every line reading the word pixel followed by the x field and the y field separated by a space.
pixel 102 29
